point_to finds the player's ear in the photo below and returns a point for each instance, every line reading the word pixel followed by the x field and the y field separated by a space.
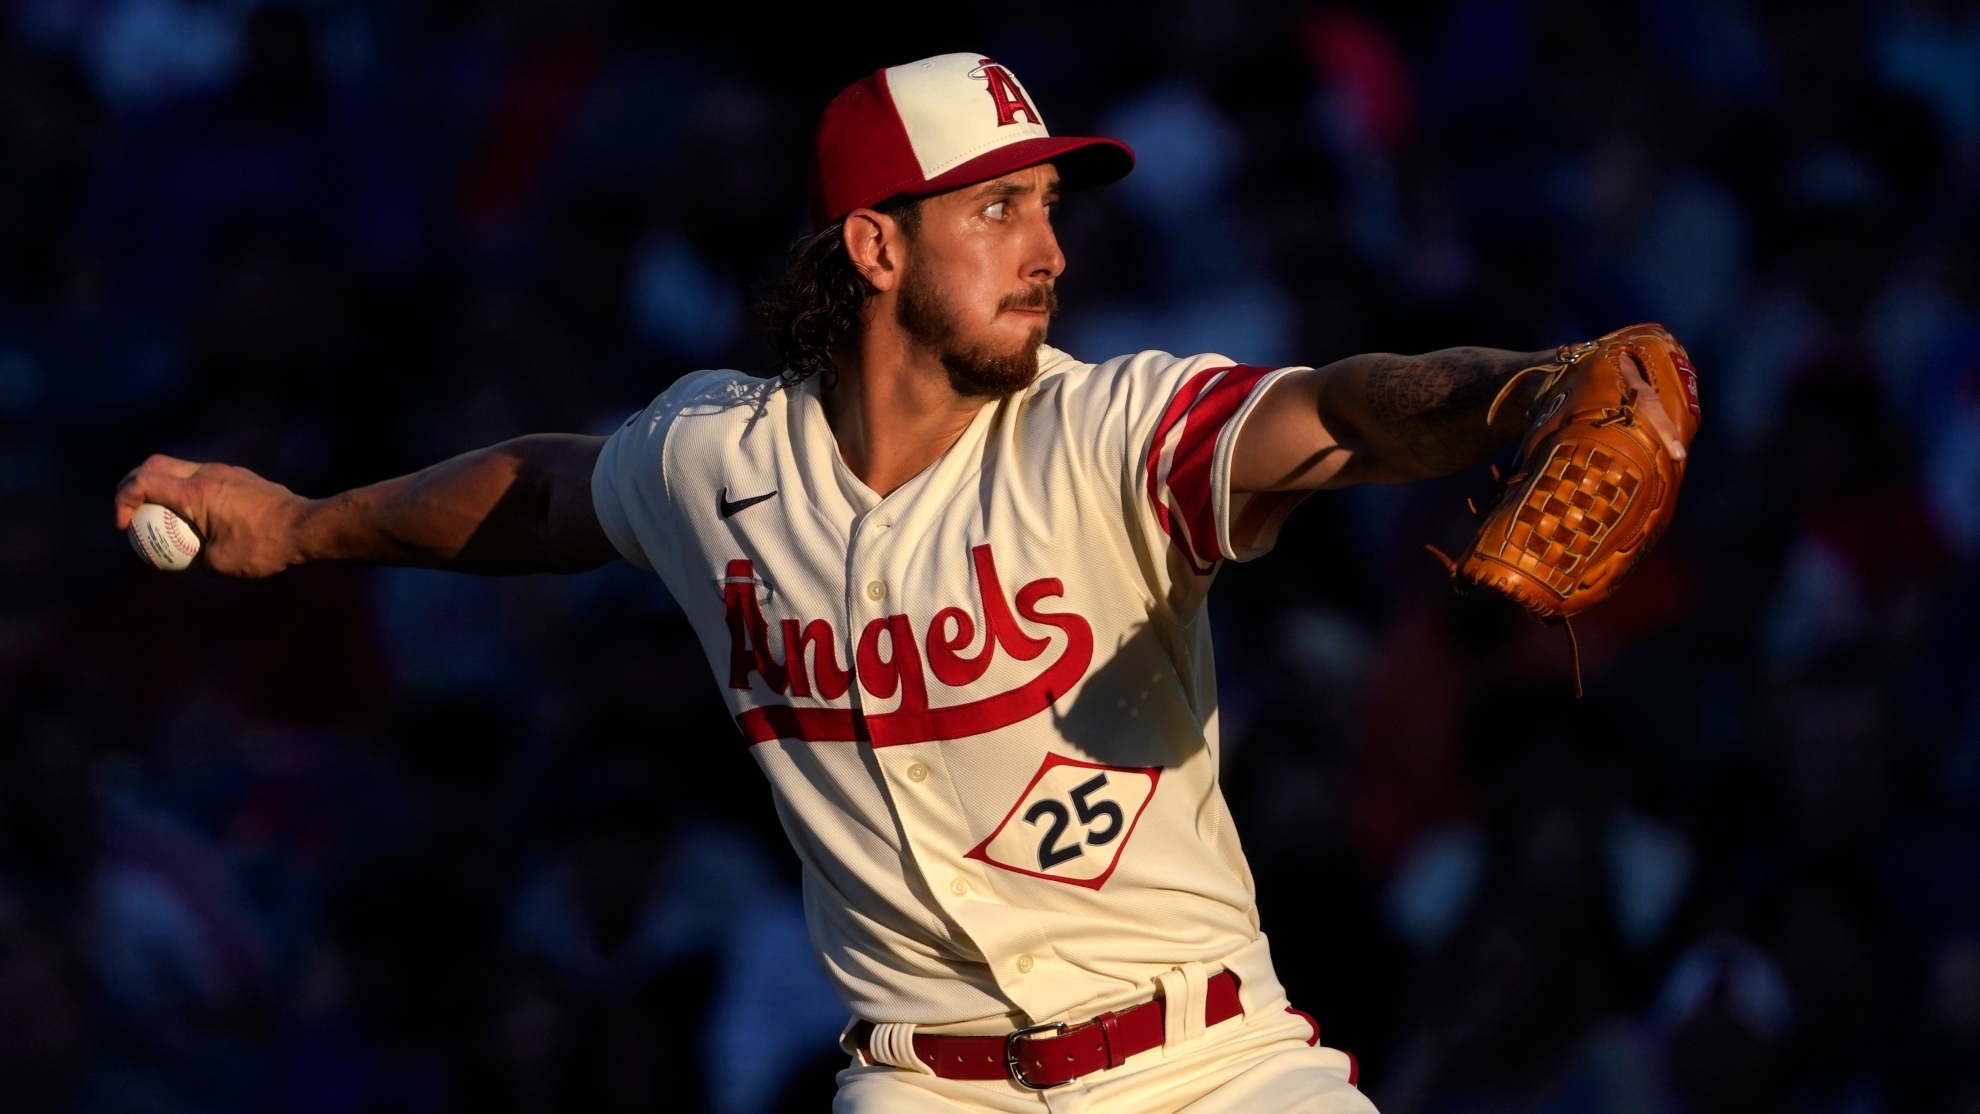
pixel 874 243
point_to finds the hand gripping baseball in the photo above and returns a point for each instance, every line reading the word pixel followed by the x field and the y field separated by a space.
pixel 247 525
pixel 1596 479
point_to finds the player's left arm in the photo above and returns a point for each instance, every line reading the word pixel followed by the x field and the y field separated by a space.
pixel 1382 418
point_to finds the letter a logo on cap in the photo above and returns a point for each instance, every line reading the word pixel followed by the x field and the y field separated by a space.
pixel 1006 94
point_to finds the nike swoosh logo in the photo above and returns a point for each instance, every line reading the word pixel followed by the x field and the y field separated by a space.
pixel 729 510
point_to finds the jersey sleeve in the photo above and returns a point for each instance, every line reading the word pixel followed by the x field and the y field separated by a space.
pixel 629 484
pixel 1174 423
pixel 627 481
pixel 1183 461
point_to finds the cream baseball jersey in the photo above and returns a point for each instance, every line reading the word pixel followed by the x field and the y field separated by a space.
pixel 985 703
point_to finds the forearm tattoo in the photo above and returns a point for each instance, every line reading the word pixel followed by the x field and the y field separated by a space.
pixel 1433 406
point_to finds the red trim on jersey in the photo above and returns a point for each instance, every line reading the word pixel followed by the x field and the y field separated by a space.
pixel 1182 494
pixel 811 725
pixel 1315 1038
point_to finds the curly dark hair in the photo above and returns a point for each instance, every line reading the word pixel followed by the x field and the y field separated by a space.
pixel 812 313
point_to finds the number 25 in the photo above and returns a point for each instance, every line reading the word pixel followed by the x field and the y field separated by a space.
pixel 1050 854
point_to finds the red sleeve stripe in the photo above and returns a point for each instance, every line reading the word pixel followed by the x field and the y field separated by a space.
pixel 1183 455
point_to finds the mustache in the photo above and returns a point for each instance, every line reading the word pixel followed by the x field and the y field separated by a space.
pixel 1038 295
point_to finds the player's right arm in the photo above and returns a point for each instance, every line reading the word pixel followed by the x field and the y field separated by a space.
pixel 1383 418
pixel 518 507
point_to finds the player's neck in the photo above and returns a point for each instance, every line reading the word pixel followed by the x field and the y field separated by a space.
pixel 894 411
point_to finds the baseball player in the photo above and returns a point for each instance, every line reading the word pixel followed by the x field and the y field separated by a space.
pixel 951 582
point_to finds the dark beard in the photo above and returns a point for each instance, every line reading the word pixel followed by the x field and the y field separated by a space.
pixel 973 372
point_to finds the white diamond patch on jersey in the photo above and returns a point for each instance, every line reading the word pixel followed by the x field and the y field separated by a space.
pixel 1072 822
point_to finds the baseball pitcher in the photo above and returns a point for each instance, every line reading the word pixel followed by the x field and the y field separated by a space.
pixel 951 582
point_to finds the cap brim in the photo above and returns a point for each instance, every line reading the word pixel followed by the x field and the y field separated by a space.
pixel 1083 162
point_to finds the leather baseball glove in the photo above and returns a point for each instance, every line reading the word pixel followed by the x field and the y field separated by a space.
pixel 1596 479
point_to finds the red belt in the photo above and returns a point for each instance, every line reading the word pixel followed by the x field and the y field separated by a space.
pixel 1057 1053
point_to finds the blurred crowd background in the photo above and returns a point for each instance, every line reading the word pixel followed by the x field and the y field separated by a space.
pixel 354 841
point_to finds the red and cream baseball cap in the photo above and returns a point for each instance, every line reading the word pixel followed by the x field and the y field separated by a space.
pixel 938 124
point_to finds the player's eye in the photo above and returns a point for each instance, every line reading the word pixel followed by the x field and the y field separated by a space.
pixel 996 209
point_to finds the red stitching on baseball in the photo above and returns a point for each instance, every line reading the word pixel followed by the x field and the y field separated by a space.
pixel 172 532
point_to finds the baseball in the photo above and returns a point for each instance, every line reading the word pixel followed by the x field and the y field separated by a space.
pixel 163 538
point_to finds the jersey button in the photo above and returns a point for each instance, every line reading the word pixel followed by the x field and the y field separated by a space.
pixel 876 591
pixel 917 773
pixel 958 887
pixel 1024 964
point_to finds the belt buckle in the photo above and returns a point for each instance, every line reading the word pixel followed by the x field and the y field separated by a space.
pixel 1015 1069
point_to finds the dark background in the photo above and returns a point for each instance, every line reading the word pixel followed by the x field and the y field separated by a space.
pixel 365 841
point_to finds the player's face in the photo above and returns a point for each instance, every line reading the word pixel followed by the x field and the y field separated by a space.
pixel 978 287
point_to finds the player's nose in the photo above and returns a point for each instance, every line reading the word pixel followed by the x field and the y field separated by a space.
pixel 1044 261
